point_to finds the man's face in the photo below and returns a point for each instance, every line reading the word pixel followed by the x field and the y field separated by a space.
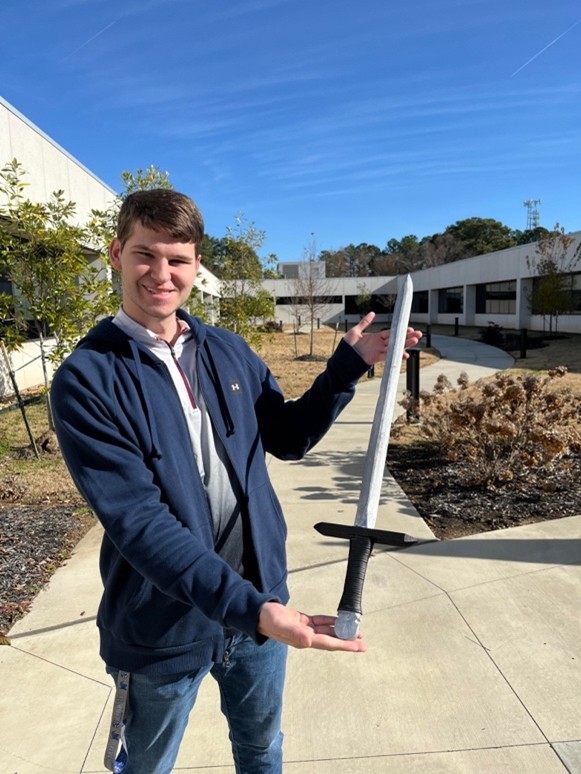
pixel 157 276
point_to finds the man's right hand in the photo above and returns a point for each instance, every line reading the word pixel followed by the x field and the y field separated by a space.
pixel 303 631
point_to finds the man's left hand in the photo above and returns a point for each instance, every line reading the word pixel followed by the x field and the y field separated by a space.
pixel 372 347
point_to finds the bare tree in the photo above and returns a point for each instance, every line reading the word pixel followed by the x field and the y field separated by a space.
pixel 311 292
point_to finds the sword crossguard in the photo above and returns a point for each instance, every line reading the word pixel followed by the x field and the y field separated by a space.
pixel 361 542
pixel 348 531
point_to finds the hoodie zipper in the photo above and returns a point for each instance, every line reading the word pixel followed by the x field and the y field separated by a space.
pixel 184 377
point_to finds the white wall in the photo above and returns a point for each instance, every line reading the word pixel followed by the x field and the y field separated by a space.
pixel 330 314
pixel 48 166
pixel 27 367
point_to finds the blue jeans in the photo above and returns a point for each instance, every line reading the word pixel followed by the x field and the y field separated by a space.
pixel 251 681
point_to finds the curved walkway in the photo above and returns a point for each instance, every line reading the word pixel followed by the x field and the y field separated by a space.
pixel 474 644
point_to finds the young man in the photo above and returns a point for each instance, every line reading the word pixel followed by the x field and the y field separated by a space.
pixel 164 423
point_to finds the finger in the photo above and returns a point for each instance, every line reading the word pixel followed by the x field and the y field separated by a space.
pixel 324 642
pixel 323 620
pixel 327 630
pixel 325 625
pixel 366 321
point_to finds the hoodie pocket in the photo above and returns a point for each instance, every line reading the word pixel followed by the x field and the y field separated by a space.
pixel 269 532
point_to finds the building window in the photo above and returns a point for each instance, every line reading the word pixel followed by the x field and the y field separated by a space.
pixel 496 298
pixel 451 300
pixel 5 285
pixel 421 302
pixel 575 293
pixel 564 297
pixel 380 304
pixel 307 301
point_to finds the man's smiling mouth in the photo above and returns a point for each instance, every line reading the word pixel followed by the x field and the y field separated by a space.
pixel 158 292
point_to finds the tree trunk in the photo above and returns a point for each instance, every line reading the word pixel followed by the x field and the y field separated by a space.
pixel 43 359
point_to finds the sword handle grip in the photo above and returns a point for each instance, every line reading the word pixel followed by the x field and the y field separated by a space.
pixel 359 553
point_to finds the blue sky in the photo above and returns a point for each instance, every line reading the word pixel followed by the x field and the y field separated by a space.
pixel 353 121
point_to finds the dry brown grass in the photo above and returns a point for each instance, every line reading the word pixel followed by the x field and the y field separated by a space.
pixel 558 352
pixel 281 350
pixel 24 479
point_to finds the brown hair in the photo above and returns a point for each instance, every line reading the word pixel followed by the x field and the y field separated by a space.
pixel 161 209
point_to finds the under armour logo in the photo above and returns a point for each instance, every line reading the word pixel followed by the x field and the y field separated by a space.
pixel 235 386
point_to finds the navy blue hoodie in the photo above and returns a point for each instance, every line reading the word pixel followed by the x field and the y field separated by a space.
pixel 168 596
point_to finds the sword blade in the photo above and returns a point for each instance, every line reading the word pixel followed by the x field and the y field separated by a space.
pixel 374 467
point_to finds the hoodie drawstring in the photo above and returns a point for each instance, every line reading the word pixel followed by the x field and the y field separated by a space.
pixel 228 421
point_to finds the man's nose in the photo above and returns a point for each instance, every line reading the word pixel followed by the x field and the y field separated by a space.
pixel 160 270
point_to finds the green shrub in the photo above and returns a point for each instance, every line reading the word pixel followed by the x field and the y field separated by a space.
pixel 270 326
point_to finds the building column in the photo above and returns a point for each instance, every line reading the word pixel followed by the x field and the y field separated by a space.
pixel 469 304
pixel 524 290
pixel 433 300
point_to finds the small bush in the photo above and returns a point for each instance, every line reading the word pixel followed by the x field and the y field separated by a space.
pixel 270 326
pixel 493 335
pixel 513 428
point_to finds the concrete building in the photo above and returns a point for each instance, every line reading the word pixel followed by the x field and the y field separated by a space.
pixel 334 300
pixel 495 287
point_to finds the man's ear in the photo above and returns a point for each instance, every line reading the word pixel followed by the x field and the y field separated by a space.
pixel 115 254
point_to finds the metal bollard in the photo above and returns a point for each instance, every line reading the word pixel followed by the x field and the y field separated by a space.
pixel 413 385
pixel 523 342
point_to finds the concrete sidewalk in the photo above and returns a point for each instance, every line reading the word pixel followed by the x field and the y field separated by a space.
pixel 474 644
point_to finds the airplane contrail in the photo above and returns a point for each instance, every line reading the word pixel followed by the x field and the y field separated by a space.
pixel 86 43
pixel 552 43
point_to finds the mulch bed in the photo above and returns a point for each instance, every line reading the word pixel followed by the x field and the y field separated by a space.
pixel 34 541
pixel 452 509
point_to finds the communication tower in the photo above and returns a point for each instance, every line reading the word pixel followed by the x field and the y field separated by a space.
pixel 533 220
